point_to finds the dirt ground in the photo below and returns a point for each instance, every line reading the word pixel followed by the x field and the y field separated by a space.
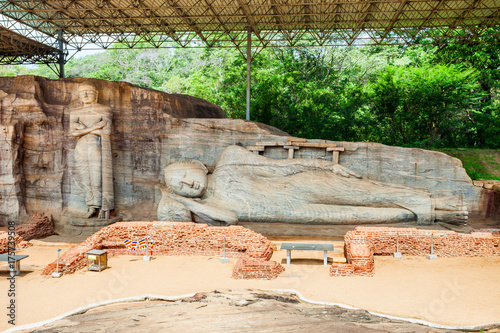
pixel 451 291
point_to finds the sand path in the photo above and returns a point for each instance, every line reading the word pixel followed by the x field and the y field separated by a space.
pixel 451 291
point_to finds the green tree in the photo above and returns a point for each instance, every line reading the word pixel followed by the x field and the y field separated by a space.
pixel 418 95
pixel 432 105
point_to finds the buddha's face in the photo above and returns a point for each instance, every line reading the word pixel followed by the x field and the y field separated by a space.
pixel 189 181
pixel 88 95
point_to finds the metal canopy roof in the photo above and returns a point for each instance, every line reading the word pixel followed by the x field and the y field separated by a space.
pixel 15 48
pixel 159 23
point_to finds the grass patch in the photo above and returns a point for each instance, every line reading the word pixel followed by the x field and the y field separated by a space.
pixel 479 163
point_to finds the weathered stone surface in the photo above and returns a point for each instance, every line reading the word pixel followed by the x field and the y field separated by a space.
pixel 436 172
pixel 234 311
pixel 37 160
pixel 477 183
pixel 490 200
pixel 92 124
pixel 490 184
pixel 251 188
pixel 11 196
pixel 150 131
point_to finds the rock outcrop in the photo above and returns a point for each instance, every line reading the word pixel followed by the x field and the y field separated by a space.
pixel 152 129
pixel 237 310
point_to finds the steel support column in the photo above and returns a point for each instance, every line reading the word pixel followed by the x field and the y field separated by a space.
pixel 249 63
pixel 61 55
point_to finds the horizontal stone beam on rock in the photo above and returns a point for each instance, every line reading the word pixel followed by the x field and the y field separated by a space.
pixel 335 149
pixel 296 140
pixel 291 147
pixel 256 148
pixel 314 144
pixel 271 143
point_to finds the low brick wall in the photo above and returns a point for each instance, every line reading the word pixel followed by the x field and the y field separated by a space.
pixel 359 253
pixel 250 268
pixel 39 226
pixel 417 242
pixel 172 238
pixel 361 244
pixel 341 270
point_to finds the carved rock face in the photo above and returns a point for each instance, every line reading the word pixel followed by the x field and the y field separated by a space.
pixel 88 94
pixel 187 180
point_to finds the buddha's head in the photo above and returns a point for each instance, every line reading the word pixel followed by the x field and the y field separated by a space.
pixel 88 93
pixel 187 178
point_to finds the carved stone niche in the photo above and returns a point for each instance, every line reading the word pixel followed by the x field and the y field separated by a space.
pixel 11 196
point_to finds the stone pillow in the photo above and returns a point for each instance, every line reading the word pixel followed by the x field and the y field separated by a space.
pixel 171 210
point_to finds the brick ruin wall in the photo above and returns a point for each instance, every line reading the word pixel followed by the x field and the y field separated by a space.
pixel 20 243
pixel 251 268
pixel 37 227
pixel 361 244
pixel 179 238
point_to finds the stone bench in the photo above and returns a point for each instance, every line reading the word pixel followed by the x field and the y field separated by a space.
pixel 16 259
pixel 306 247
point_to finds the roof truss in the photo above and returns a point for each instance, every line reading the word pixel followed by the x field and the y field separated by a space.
pixel 17 49
pixel 163 23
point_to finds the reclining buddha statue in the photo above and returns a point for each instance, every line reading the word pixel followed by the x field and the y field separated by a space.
pixel 248 187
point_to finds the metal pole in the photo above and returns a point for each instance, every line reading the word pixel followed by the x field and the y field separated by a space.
pixel 57 267
pixel 61 55
pixel 224 259
pixel 146 257
pixel 397 242
pixel 56 274
pixel 249 63
pixel 397 254
pixel 432 255
pixel 432 244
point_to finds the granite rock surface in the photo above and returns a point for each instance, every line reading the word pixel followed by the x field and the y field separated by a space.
pixel 152 129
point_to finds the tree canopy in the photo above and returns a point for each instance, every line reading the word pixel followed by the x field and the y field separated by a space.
pixel 417 96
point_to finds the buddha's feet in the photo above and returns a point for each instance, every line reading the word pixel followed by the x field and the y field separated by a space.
pixel 451 209
pixel 91 212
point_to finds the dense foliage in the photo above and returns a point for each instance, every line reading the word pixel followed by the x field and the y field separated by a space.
pixel 420 95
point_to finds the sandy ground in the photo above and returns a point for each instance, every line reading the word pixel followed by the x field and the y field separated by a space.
pixel 452 291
